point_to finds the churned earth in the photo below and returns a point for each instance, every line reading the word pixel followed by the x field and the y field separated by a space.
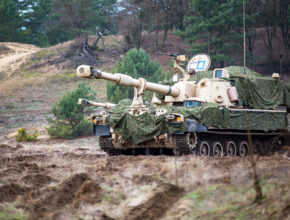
pixel 74 179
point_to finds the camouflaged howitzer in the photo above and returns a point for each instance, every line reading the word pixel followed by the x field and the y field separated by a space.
pixel 206 112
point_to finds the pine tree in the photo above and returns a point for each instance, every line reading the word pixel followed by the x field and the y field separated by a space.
pixel 212 28
pixel 136 63
pixel 68 121
pixel 10 21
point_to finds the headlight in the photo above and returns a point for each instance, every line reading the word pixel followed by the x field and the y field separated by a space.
pixel 175 118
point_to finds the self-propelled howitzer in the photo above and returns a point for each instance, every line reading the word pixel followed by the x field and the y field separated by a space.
pixel 211 116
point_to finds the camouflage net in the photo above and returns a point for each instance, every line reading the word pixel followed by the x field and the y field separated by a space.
pixel 137 129
pixel 255 91
pixel 262 93
pixel 234 71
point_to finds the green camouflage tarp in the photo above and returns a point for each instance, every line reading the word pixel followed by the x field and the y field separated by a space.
pixel 234 71
pixel 263 121
pixel 262 93
pixel 255 91
pixel 137 129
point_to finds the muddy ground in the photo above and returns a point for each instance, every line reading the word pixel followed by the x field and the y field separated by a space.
pixel 74 179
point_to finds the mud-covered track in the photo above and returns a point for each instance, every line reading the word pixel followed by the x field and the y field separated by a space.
pixel 211 143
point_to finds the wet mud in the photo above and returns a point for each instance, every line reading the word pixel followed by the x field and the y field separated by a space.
pixel 69 184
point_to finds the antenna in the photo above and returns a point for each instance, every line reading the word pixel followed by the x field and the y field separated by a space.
pixel 244 30
pixel 281 55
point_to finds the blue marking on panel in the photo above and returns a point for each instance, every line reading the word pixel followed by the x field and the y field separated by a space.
pixel 200 65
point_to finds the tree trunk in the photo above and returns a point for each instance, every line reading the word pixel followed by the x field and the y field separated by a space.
pixel 284 24
pixel 164 37
pixel 156 24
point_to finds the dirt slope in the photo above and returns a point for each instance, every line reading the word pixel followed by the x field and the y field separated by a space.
pixel 12 55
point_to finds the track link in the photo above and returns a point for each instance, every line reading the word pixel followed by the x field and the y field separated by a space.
pixel 107 146
pixel 270 144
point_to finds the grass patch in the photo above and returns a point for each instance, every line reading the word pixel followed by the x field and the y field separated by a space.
pixel 114 196
pixel 29 75
pixel 236 202
pixel 67 75
pixel 44 53
pixel 9 212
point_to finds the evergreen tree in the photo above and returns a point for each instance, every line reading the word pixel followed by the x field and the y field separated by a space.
pixel 211 28
pixel 81 17
pixel 69 119
pixel 136 63
pixel 39 15
pixel 10 21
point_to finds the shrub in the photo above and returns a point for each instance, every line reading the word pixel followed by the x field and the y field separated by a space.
pixel 69 119
pixel 24 136
pixel 136 63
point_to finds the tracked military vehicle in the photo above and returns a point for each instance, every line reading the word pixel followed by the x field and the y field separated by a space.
pixel 207 112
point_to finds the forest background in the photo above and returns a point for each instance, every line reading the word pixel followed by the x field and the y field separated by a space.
pixel 208 26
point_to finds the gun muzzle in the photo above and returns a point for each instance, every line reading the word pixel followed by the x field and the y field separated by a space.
pixel 84 71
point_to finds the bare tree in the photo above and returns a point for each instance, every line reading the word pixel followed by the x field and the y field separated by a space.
pixel 253 161
pixel 132 18
pixel 270 23
pixel 284 23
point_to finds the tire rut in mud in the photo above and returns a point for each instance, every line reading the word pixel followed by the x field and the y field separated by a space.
pixel 56 198
pixel 9 192
pixel 157 204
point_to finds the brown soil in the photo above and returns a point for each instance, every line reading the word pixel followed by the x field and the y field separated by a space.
pixel 56 198
pixel 36 180
pixel 9 192
pixel 5 148
pixel 157 204
pixel 89 192
pixel 57 179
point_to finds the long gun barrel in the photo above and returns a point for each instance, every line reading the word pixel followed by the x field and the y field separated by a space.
pixel 168 54
pixel 85 71
pixel 98 104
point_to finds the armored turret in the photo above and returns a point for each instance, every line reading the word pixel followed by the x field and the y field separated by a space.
pixel 182 93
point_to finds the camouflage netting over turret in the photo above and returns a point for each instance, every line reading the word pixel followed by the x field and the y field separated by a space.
pixel 137 129
pixel 262 93
pixel 255 91
pixel 234 71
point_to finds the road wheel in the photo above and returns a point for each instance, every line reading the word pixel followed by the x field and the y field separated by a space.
pixel 217 149
pixel 243 149
pixel 204 149
pixel 277 143
pixel 259 147
pixel 147 152
pixel 231 149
